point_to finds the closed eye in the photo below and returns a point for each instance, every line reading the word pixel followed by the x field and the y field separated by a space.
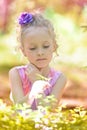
pixel 46 46
pixel 33 48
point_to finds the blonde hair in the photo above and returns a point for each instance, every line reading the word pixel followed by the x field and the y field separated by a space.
pixel 38 21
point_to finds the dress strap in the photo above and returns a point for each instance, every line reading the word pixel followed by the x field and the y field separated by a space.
pixel 53 75
pixel 25 81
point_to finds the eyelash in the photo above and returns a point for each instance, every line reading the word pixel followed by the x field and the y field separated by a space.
pixel 46 46
pixel 43 47
pixel 32 49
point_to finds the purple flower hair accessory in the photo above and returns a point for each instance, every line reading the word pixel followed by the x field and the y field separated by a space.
pixel 25 18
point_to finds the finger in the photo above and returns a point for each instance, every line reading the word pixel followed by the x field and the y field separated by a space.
pixel 29 70
pixel 33 66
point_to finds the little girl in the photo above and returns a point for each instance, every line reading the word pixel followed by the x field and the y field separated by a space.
pixel 38 44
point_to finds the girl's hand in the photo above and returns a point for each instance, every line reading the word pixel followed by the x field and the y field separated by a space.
pixel 38 87
pixel 32 72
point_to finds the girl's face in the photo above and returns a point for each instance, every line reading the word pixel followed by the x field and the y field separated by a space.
pixel 38 47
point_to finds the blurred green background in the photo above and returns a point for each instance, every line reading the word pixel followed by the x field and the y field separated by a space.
pixel 69 18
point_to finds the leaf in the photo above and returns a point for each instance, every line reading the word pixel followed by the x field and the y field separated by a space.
pixel 40 77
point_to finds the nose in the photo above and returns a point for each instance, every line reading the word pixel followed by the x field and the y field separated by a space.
pixel 40 51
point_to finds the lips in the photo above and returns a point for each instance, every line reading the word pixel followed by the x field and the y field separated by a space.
pixel 42 59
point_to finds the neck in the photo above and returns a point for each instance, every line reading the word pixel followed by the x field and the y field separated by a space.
pixel 44 71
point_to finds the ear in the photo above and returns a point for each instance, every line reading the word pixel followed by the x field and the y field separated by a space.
pixel 55 47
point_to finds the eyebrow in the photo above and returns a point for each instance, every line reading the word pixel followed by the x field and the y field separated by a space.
pixel 34 44
pixel 31 43
pixel 46 42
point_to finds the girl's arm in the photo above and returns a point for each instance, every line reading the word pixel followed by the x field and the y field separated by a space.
pixel 59 87
pixel 16 87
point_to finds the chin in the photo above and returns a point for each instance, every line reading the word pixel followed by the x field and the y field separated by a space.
pixel 41 67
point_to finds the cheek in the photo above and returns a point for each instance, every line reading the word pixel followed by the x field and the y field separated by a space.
pixel 50 54
pixel 50 51
pixel 31 56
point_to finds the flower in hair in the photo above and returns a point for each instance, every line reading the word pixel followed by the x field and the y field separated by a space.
pixel 25 18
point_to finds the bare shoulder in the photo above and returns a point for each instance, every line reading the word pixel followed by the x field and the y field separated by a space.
pixel 61 82
pixel 13 72
pixel 62 78
pixel 59 86
pixel 16 85
pixel 14 75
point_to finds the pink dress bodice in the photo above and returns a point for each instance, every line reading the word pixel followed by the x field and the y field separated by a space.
pixel 27 85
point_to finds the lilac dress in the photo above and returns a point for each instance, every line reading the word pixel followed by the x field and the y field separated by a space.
pixel 27 85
